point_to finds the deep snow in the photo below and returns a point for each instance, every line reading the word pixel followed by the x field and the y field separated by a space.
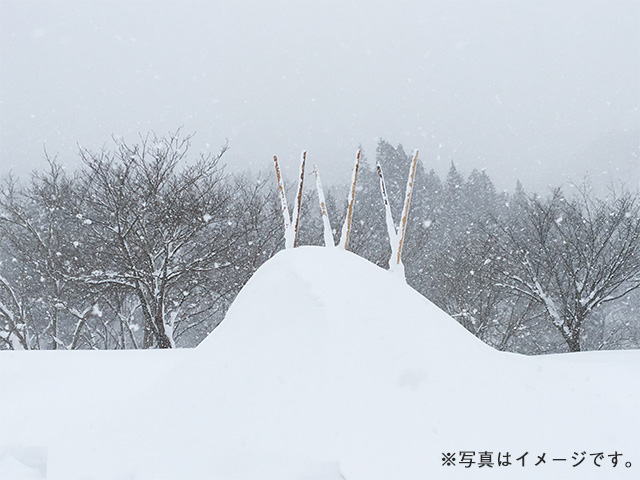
pixel 325 366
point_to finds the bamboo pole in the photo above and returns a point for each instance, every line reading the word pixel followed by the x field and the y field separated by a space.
pixel 326 224
pixel 391 227
pixel 296 208
pixel 284 207
pixel 405 209
pixel 346 227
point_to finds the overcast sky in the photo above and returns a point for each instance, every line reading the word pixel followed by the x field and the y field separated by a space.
pixel 541 91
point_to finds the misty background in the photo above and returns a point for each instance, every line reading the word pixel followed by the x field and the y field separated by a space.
pixel 544 92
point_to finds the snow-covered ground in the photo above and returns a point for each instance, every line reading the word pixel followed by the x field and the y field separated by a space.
pixel 326 367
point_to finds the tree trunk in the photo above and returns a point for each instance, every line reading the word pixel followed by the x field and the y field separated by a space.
pixel 574 344
pixel 163 340
pixel 573 340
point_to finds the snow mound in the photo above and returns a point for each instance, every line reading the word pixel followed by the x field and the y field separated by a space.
pixel 328 367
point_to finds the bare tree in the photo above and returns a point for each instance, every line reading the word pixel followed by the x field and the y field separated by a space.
pixel 572 256
pixel 35 223
pixel 158 228
pixel 136 249
pixel 14 315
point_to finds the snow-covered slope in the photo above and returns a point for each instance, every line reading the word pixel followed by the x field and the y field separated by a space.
pixel 327 366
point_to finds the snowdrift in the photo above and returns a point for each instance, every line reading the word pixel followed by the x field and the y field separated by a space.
pixel 326 367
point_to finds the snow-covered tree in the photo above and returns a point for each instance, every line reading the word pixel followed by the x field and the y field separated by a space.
pixel 159 229
pixel 571 256
pixel 37 224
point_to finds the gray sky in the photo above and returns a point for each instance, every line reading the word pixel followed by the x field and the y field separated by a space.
pixel 539 91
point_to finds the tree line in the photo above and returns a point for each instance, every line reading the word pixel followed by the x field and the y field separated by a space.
pixel 143 247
